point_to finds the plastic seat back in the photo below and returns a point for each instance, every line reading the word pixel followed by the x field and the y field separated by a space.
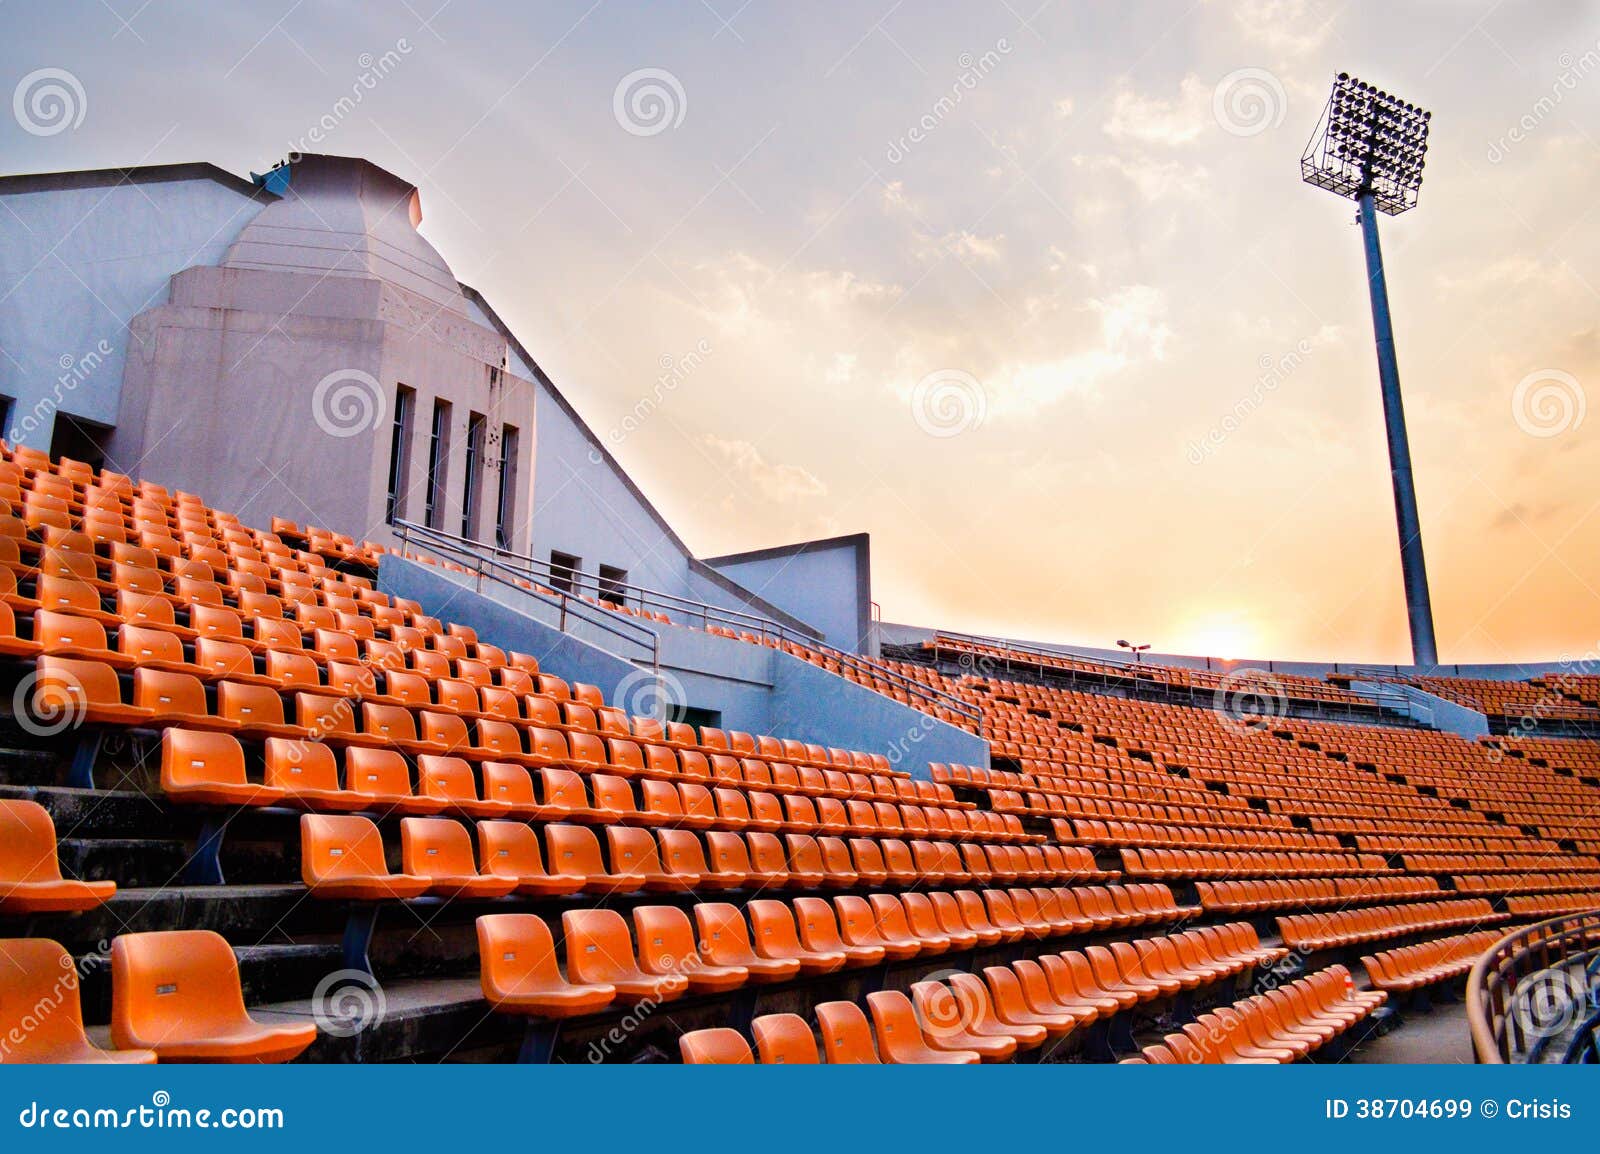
pixel 435 847
pixel 27 843
pixel 173 986
pixel 784 1040
pixel 846 1035
pixel 718 1046
pixel 333 847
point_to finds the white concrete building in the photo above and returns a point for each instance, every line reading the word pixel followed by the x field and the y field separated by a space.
pixel 291 345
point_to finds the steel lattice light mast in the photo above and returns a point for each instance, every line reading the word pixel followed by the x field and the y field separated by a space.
pixel 1369 147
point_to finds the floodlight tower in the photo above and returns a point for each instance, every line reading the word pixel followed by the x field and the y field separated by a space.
pixel 1369 146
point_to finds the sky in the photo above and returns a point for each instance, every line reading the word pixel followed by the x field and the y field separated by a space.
pixel 1033 293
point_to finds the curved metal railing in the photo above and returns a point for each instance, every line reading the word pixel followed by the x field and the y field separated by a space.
pixel 1536 988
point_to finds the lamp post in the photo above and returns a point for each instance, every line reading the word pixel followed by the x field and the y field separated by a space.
pixel 1136 650
pixel 1369 147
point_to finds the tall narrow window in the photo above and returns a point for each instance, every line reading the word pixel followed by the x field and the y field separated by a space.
pixel 505 512
pixel 438 462
pixel 613 585
pixel 474 480
pixel 400 451
pixel 564 574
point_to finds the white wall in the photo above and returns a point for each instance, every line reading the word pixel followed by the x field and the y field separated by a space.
pixel 77 264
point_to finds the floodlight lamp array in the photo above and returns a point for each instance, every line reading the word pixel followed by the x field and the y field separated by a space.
pixel 1368 140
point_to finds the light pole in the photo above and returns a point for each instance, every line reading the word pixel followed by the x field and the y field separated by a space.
pixel 1136 650
pixel 1369 147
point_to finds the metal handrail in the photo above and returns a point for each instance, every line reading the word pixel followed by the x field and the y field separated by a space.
pixel 570 606
pixel 555 575
pixel 1499 1034
pixel 765 628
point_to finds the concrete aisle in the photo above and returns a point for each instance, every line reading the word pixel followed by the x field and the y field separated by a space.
pixel 1439 1035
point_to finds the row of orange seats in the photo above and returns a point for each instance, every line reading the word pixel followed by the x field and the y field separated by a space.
pixel 1527 883
pixel 666 957
pixel 1280 1026
pixel 1427 963
pixel 1495 863
pixel 1321 931
pixel 1196 863
pixel 1207 836
pixel 344 858
pixel 302 768
pixel 420 717
pixel 206 768
pixel 962 1019
pixel 1240 897
pixel 1549 905
pixel 1082 805
pixel 342 854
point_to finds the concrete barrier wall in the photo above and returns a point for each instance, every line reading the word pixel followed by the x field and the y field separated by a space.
pixel 1430 709
pixel 811 704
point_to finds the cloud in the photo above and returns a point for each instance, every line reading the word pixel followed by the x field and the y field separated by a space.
pixel 1130 331
pixel 1132 320
pixel 842 370
pixel 780 484
pixel 1284 27
pixel 971 246
pixel 748 299
pixel 1151 178
pixel 1144 119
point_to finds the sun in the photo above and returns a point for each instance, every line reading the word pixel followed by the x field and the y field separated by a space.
pixel 1226 637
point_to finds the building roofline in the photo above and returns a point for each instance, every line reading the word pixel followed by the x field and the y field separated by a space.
pixel 23 182
pixel 855 541
pixel 858 543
